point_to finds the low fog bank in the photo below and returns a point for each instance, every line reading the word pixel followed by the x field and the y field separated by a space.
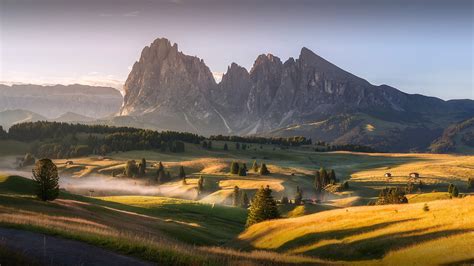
pixel 98 185
pixel 109 186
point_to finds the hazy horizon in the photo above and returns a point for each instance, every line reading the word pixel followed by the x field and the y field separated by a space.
pixel 411 45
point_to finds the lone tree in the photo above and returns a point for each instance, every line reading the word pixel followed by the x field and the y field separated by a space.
pixel 200 185
pixel 234 168
pixel 46 177
pixel 455 192
pixel 236 197
pixel 264 170
pixel 242 171
pixel 318 185
pixel 450 188
pixel 161 177
pixel 332 176
pixel 131 169
pixel 299 195
pixel 263 207
pixel 182 174
pixel 324 176
pixel 255 167
pixel 142 167
pixel 225 147
pixel 245 200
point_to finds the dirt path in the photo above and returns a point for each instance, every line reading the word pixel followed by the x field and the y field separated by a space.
pixel 48 250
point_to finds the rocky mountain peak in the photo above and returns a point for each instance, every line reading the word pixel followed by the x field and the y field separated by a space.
pixel 178 92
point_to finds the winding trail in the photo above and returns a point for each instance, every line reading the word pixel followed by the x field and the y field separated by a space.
pixel 49 250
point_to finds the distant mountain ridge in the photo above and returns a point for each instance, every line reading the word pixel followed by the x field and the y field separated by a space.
pixel 55 100
pixel 305 96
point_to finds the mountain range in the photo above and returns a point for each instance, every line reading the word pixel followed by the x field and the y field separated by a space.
pixel 306 96
pixel 56 100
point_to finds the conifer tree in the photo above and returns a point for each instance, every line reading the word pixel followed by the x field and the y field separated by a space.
pixel 161 177
pixel 160 167
pixel 45 175
pixel 264 170
pixel 317 182
pixel 324 176
pixel 234 168
pixel 455 192
pixel 284 200
pixel 142 168
pixel 255 167
pixel 298 196
pixel 245 200
pixel 200 185
pixel 182 174
pixel 332 176
pixel 242 171
pixel 131 169
pixel 263 207
pixel 236 197
pixel 225 147
pixel 450 188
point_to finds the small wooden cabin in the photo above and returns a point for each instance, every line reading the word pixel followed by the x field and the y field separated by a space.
pixel 414 175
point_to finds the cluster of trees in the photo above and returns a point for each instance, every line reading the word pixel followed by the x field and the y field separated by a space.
pixel 289 141
pixel 134 169
pixel 263 207
pixel 323 178
pixel 453 190
pixel 60 139
pixel 262 169
pixel 162 176
pixel 238 146
pixel 207 145
pixel 468 139
pixel 394 195
pixel 240 198
pixel 345 147
pixel 30 131
pixel 237 169
pixel 3 133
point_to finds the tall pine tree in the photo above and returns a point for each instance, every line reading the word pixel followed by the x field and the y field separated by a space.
pixel 263 207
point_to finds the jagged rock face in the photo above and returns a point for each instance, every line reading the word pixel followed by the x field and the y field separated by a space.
pixel 178 92
pixel 171 89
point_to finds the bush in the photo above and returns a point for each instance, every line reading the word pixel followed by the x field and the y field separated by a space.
pixel 426 207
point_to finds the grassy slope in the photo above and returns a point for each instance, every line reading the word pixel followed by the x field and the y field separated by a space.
pixel 152 228
pixel 398 234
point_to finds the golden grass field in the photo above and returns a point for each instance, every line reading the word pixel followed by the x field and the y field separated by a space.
pixel 136 217
pixel 392 234
pixel 291 168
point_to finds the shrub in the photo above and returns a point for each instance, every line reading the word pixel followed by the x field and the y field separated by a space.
pixel 426 207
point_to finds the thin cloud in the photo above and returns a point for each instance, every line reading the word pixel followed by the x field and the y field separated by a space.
pixel 132 14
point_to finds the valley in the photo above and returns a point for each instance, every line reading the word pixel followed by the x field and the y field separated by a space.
pixel 171 223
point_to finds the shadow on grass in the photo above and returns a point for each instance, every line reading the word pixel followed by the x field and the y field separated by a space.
pixel 377 247
pixel 311 238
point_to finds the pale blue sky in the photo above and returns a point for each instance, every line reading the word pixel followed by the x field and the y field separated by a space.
pixel 416 46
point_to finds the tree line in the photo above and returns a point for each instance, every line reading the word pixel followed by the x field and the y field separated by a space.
pixel 288 141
